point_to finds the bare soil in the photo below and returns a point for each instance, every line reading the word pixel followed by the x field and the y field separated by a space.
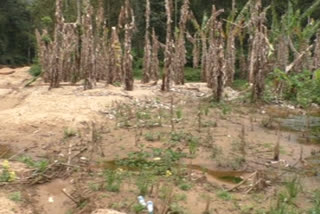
pixel 78 131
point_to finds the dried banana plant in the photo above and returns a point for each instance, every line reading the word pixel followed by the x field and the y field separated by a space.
pixel 194 40
pixel 70 45
pixel 127 21
pixel 55 68
pixel 316 54
pixel 202 32
pixel 45 48
pixel 115 55
pixel 147 47
pixel 154 73
pixel 169 49
pixel 260 49
pixel 216 62
pixel 282 59
pixel 231 46
pixel 214 39
pixel 179 59
pixel 101 44
pixel 88 54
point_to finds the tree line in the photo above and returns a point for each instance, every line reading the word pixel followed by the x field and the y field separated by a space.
pixel 102 40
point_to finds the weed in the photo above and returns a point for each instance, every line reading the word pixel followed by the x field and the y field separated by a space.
pixel 137 208
pixel 224 195
pixel 35 70
pixel 94 186
pixel 113 180
pixel 69 212
pixel 176 208
pixel 237 162
pixel 179 114
pixel 293 188
pixel 180 197
pixel 40 166
pixel 185 186
pixel 193 144
pixel 15 196
pixel 7 175
pixel 216 151
pixel 240 84
pixel 224 107
pixel 150 136
pixel 247 209
pixel 316 203
pixel 144 182
pixel 69 133
pixel 178 136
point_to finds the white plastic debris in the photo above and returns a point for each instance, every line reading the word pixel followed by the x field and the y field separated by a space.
pixel 50 200
pixel 142 201
pixel 150 207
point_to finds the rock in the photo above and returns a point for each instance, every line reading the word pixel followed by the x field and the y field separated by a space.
pixel 230 94
pixel 106 211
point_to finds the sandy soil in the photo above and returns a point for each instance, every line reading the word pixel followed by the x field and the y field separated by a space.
pixel 33 122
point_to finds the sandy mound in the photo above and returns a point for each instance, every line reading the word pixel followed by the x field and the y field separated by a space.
pixel 67 105
pixel 106 211
pixel 9 207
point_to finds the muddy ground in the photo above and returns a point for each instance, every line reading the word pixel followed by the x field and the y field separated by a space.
pixel 76 151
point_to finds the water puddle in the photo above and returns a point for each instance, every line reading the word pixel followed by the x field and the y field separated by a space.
pixel 232 177
pixel 228 177
pixel 308 126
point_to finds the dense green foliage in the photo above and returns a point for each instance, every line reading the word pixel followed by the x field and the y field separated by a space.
pixel 19 19
pixel 16 33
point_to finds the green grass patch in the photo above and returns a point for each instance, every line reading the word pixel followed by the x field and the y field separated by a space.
pixel 35 70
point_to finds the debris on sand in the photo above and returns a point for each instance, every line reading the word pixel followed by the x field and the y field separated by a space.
pixel 106 211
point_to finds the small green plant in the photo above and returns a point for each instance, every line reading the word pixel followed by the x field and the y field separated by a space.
pixel 150 136
pixel 177 208
pixel 144 182
pixel 293 188
pixel 117 84
pixel 179 114
pixel 193 144
pixel 185 186
pixel 40 166
pixel 94 186
pixel 15 196
pixel 178 136
pixel 138 208
pixel 224 195
pixel 113 180
pixel 35 70
pixel 69 133
pixel 7 175
pixel 316 203
pixel 224 107
pixel 180 197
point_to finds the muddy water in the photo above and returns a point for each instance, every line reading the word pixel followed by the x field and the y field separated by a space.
pixel 299 122
pixel 309 126
pixel 227 177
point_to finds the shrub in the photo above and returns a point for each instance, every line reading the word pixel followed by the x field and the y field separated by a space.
pixel 35 70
